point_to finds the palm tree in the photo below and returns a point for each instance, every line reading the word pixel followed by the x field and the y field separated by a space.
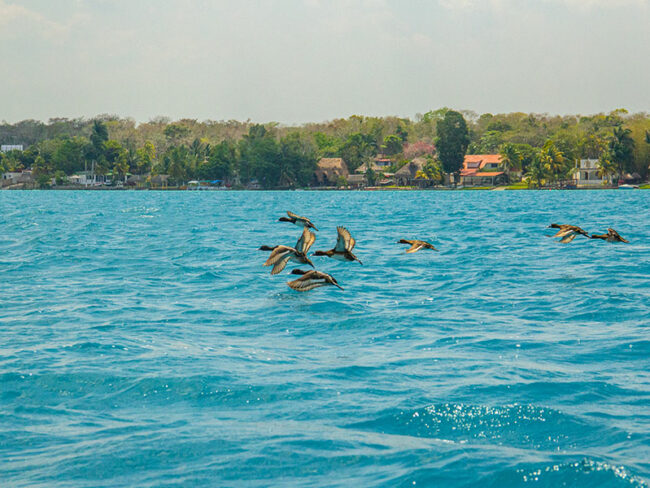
pixel 553 160
pixel 606 167
pixel 621 148
pixel 510 158
pixel 536 171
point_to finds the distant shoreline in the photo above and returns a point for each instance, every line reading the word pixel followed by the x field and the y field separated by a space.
pixel 370 189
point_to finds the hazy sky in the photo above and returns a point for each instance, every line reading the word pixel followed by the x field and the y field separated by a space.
pixel 295 61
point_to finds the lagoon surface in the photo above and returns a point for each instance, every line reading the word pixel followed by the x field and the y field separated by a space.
pixel 143 344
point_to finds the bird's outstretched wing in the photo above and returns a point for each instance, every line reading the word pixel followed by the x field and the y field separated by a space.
pixel 568 237
pixel 415 246
pixel 294 216
pixel 278 254
pixel 345 241
pixel 563 232
pixel 280 265
pixel 306 240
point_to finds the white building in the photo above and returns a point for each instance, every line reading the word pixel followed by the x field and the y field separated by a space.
pixel 11 147
pixel 15 177
pixel 586 175
pixel 88 178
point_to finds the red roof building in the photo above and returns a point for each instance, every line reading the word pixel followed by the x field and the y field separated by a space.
pixel 482 169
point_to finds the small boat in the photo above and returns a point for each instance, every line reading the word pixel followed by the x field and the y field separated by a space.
pixel 628 187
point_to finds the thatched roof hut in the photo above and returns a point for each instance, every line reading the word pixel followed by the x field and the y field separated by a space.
pixel 407 173
pixel 329 170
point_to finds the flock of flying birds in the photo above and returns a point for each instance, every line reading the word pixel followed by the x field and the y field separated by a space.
pixel 342 251
pixel 570 232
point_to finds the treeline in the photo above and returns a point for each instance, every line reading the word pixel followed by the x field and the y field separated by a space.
pixel 541 146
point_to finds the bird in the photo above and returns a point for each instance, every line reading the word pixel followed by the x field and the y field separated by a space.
pixel 266 248
pixel 568 232
pixel 281 255
pixel 298 220
pixel 611 236
pixel 311 279
pixel 343 249
pixel 416 245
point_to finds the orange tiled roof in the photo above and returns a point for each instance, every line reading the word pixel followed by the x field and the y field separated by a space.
pixel 473 163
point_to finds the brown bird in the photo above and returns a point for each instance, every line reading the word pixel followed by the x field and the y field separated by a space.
pixel 298 220
pixel 281 255
pixel 568 232
pixel 343 249
pixel 611 236
pixel 311 279
pixel 416 245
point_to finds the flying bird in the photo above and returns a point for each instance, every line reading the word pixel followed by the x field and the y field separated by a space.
pixel 611 236
pixel 281 255
pixel 343 249
pixel 311 279
pixel 416 245
pixel 568 232
pixel 298 220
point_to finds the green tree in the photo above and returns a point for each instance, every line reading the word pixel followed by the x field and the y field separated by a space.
pixel 259 156
pixel 328 146
pixel 42 171
pixel 433 170
pixel 357 149
pixel 146 157
pixel 112 151
pixel 297 158
pixel 510 157
pixel 98 136
pixel 121 166
pixel 69 154
pixel 176 161
pixel 392 145
pixel 621 148
pixel 452 141
pixel 606 166
pixel 60 177
pixel 371 177
pixel 176 132
pixel 536 172
pixel 221 163
pixel 553 161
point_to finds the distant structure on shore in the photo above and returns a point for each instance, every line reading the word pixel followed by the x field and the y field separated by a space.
pixel 10 147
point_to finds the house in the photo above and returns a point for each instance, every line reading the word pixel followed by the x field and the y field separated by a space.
pixel 407 174
pixel 357 180
pixel 382 162
pixel 11 175
pixel 136 180
pixel 11 147
pixel 364 167
pixel 159 181
pixel 87 178
pixel 586 175
pixel 16 177
pixel 482 170
pixel 329 170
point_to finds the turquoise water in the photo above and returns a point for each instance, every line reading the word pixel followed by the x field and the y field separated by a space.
pixel 143 344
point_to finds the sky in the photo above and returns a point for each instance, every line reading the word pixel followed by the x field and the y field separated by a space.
pixel 297 61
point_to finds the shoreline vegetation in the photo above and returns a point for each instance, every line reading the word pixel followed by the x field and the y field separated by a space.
pixel 441 149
